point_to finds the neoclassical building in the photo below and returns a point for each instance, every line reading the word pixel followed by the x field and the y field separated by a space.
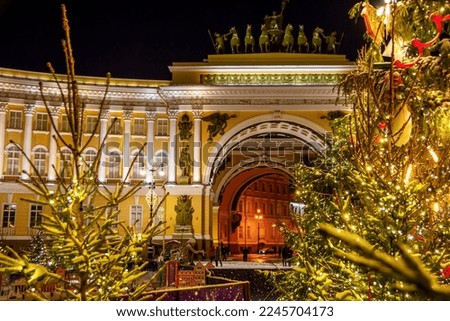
pixel 222 135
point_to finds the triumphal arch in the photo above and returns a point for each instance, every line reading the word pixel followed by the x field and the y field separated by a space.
pixel 221 141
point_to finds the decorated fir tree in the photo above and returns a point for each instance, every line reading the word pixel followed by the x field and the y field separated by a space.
pixel 375 223
pixel 100 256
pixel 38 252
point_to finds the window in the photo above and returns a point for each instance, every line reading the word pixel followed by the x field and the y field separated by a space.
pixel 15 119
pixel 272 212
pixel 90 157
pixel 161 158
pixel 116 128
pixel 91 121
pixel 139 126
pixel 12 163
pixel 42 122
pixel 274 233
pixel 114 164
pixel 65 128
pixel 138 172
pixel 9 215
pixel 240 231
pixel 35 215
pixel 162 127
pixel 39 160
pixel 136 216
pixel 161 162
pixel 64 163
pixel 113 213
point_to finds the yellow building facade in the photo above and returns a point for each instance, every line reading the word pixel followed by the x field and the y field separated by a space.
pixel 210 133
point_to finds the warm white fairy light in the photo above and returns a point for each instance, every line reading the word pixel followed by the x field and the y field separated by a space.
pixel 433 154
pixel 408 174
pixel 436 207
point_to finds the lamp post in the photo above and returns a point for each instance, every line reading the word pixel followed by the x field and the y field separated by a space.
pixel 151 197
pixel 258 217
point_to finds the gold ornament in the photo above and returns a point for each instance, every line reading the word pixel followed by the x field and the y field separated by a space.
pixel 401 126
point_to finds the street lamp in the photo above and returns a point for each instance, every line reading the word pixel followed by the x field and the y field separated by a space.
pixel 151 196
pixel 258 217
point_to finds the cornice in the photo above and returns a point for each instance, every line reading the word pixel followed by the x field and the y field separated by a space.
pixel 15 89
pixel 251 97
pixel 305 96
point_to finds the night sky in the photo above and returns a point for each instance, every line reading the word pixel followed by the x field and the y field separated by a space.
pixel 140 39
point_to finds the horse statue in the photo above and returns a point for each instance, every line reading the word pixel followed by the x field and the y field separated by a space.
pixel 249 41
pixel 317 40
pixel 302 40
pixel 264 41
pixel 288 38
pixel 235 42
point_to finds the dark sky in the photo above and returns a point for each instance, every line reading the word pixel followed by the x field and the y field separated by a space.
pixel 140 39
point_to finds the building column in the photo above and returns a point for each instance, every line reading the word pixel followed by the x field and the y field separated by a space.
pixel 104 117
pixel 3 110
pixel 127 116
pixel 172 113
pixel 151 117
pixel 27 137
pixel 197 178
pixel 53 147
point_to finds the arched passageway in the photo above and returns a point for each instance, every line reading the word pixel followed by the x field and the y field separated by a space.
pixel 252 206
pixel 251 172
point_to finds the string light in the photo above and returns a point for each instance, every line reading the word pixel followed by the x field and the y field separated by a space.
pixel 433 154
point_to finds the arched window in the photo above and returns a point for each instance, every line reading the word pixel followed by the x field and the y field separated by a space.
pixel 64 162
pixel 89 157
pixel 161 161
pixel 12 163
pixel 40 155
pixel 138 171
pixel 113 164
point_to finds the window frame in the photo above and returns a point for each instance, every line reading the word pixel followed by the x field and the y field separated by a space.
pixel 7 214
pixel 35 215
pixel 15 119
pixel 136 215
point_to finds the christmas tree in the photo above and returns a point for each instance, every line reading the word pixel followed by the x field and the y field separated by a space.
pixel 374 223
pixel 80 226
pixel 38 252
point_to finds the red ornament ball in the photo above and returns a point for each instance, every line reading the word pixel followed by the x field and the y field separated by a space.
pixel 446 272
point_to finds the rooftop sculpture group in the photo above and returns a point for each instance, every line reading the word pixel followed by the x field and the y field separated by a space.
pixel 273 38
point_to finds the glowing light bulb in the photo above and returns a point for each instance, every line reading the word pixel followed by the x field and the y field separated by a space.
pixel 433 154
pixel 408 174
